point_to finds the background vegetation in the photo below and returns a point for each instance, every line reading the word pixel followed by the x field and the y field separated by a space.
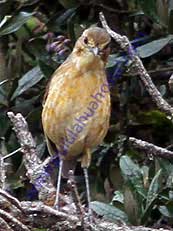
pixel 128 185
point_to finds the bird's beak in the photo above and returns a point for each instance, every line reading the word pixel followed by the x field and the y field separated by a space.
pixel 95 50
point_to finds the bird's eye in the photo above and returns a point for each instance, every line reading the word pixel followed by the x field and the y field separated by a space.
pixel 85 40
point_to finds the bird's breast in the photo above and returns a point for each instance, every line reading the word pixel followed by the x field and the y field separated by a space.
pixel 77 109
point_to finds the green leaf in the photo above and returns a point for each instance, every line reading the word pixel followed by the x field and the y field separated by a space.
pixel 15 23
pixel 145 173
pixel 167 168
pixel 71 27
pixel 118 197
pixel 37 47
pixel 41 149
pixel 4 124
pixel 28 80
pixel 166 211
pixel 166 165
pixel 152 195
pixel 149 8
pixel 156 118
pixel 170 29
pixel 108 211
pixel 47 70
pixel 133 176
pixel 28 2
pixel 25 106
pixel 131 206
pixel 55 24
pixel 3 95
pixel 113 59
pixel 16 183
pixel 153 189
pixel 153 47
pixel 68 3
pixel 63 18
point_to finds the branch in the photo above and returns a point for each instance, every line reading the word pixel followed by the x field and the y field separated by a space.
pixel 33 215
pixel 9 218
pixel 150 148
pixel 138 67
pixel 11 199
pixel 34 166
pixel 75 194
pixel 73 221
pixel 4 225
pixel 39 207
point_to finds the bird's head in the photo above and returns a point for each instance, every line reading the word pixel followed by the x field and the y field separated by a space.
pixel 94 41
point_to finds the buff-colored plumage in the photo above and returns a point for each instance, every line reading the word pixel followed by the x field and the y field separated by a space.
pixel 69 96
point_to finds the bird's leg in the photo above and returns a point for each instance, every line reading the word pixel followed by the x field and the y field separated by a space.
pixel 56 205
pixel 85 163
pixel 85 170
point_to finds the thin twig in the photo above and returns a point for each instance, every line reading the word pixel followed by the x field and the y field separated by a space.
pixel 2 173
pixel 150 148
pixel 12 153
pixel 4 81
pixel 4 225
pixel 138 67
pixel 9 218
pixel 75 193
pixel 11 199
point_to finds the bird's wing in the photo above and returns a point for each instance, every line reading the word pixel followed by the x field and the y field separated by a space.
pixel 67 164
pixel 46 93
pixel 54 74
pixel 51 146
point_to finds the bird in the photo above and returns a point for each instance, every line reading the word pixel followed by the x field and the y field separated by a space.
pixel 76 107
